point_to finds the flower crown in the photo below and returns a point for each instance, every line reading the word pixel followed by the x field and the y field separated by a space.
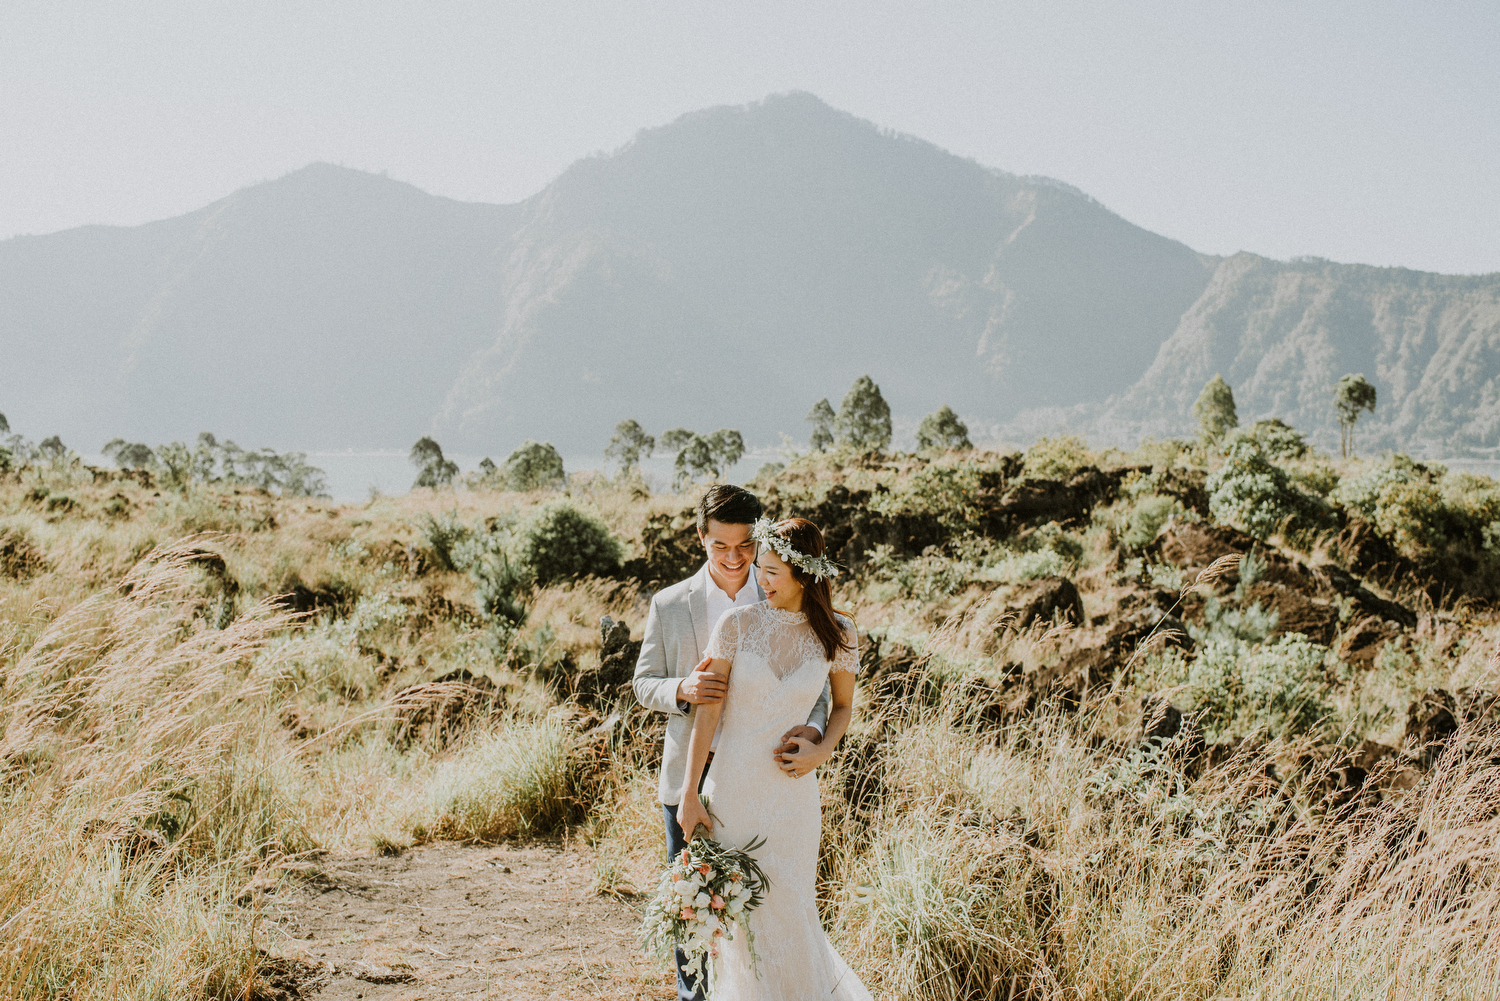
pixel 818 566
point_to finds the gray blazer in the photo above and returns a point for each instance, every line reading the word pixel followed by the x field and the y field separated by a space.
pixel 677 630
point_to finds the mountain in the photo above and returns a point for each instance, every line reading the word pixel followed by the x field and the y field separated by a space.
pixel 329 308
pixel 725 270
pixel 737 265
pixel 1282 334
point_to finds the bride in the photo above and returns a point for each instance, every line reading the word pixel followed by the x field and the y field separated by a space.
pixel 777 655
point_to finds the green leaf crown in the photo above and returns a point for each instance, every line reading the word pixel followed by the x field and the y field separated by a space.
pixel 819 567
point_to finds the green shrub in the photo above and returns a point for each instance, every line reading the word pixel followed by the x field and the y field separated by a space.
pixel 1278 688
pixel 1277 439
pixel 1422 507
pixel 1412 515
pixel 1362 493
pixel 559 541
pixel 1056 458
pixel 1147 517
pixel 500 578
pixel 1253 493
pixel 946 492
pixel 443 536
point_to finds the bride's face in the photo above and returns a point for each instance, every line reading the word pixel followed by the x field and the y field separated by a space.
pixel 782 589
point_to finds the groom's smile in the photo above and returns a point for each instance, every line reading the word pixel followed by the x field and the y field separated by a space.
pixel 730 552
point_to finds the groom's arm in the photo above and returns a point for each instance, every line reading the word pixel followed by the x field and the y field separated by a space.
pixel 653 688
pixel 818 718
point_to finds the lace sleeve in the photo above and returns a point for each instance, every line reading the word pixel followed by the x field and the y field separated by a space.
pixel 847 658
pixel 725 641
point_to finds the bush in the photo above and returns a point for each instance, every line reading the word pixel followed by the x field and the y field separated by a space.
pixel 1362 493
pixel 500 578
pixel 1254 494
pixel 1412 515
pixel 443 537
pixel 947 493
pixel 559 542
pixel 1147 517
pixel 1278 687
pixel 1055 458
pixel 1422 507
pixel 1277 439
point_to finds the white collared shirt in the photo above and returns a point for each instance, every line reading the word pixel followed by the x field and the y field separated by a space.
pixel 718 604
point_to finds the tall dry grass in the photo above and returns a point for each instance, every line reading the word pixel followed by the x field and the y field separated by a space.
pixel 142 789
pixel 172 746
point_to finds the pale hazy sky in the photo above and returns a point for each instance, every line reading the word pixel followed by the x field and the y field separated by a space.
pixel 1354 131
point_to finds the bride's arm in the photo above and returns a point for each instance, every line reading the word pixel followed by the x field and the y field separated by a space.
pixel 690 812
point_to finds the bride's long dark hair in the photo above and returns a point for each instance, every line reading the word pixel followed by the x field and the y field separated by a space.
pixel 817 595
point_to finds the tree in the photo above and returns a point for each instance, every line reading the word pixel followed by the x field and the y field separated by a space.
pixel 4 425
pixel 628 445
pixel 864 418
pixel 534 466
pixel 727 447
pixel 700 455
pixel 53 449
pixel 821 417
pixel 177 459
pixel 129 455
pixel 1354 393
pixel 433 469
pixel 1215 411
pixel 943 430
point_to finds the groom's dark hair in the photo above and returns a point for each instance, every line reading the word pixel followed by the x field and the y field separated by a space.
pixel 728 505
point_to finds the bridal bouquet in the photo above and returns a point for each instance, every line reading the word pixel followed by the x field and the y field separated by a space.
pixel 706 893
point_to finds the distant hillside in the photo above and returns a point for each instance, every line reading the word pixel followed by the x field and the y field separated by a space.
pixel 787 248
pixel 330 308
pixel 727 269
pixel 1283 333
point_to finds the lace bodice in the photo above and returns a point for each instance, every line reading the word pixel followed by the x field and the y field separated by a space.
pixel 784 639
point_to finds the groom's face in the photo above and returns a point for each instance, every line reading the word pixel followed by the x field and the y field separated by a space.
pixel 731 551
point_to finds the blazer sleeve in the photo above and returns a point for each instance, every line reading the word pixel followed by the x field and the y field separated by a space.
pixel 653 688
pixel 818 718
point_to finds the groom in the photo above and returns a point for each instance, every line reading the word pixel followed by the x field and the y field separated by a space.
pixel 672 674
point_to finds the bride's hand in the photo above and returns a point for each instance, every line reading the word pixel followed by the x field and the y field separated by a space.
pixel 690 813
pixel 798 756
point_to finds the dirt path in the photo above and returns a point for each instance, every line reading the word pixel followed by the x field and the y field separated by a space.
pixel 453 921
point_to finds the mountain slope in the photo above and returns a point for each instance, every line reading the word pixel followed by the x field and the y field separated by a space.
pixel 725 270
pixel 1283 334
pixel 329 308
pixel 789 247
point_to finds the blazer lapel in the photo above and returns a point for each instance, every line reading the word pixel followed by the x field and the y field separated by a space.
pixel 698 608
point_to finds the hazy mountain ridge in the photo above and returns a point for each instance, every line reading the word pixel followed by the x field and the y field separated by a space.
pixel 812 247
pixel 727 269
pixel 1282 333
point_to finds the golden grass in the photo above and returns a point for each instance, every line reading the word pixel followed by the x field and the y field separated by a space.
pixel 171 742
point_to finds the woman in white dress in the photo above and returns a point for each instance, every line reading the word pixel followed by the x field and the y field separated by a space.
pixel 777 655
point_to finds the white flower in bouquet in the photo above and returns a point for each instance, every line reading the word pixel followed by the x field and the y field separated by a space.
pixel 706 894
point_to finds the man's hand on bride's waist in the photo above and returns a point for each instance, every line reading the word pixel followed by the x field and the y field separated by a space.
pixel 798 756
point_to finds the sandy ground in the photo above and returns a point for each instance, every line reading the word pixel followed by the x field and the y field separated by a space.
pixel 457 921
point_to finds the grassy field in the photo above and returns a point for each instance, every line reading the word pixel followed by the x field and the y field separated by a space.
pixel 1051 790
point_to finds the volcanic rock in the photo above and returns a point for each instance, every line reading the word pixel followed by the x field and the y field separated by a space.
pixel 1047 600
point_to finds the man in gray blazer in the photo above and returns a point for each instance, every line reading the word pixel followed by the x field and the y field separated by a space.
pixel 672 674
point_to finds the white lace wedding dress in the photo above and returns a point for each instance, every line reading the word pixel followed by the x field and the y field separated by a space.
pixel 778 673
